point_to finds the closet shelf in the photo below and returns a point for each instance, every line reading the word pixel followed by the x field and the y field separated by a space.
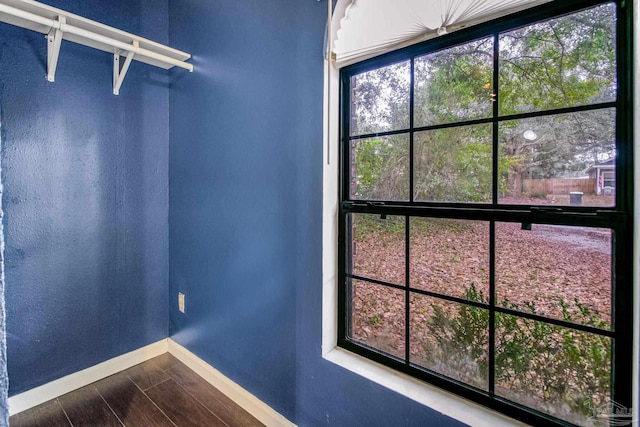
pixel 59 25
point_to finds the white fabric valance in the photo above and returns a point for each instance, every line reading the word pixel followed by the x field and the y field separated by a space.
pixel 366 28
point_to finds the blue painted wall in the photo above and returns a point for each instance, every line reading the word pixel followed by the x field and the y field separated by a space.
pixel 85 175
pixel 246 211
pixel 86 198
pixel 233 183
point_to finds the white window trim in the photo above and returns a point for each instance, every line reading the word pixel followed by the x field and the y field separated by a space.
pixel 435 398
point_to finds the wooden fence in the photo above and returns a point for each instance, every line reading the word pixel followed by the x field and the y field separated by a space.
pixel 559 186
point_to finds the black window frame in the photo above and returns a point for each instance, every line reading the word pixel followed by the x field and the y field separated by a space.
pixel 618 218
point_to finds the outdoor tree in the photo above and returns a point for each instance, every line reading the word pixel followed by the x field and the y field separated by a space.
pixel 564 62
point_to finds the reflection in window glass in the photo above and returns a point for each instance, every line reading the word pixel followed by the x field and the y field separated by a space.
pixel 453 164
pixel 454 84
pixel 559 63
pixel 545 160
pixel 555 271
pixel 380 168
pixel 378 247
pixel 378 317
pixel 380 99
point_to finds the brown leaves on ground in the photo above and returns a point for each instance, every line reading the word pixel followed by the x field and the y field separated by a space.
pixel 555 271
pixel 541 266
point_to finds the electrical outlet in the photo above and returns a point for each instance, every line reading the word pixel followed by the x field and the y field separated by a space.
pixel 181 302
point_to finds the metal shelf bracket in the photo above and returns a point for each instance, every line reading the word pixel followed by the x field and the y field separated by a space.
pixel 58 25
pixel 54 39
pixel 120 72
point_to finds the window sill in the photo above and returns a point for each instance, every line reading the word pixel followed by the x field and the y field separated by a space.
pixel 435 398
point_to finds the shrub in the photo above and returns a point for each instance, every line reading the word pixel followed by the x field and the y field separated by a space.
pixel 557 370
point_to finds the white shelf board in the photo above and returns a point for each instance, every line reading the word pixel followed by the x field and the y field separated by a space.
pixel 52 13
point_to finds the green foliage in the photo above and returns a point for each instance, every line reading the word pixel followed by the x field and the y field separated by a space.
pixel 536 195
pixel 564 62
pixel 364 224
pixel 381 100
pixel 375 319
pixel 559 63
pixel 454 84
pixel 454 164
pixel 474 183
pixel 548 367
pixel 381 168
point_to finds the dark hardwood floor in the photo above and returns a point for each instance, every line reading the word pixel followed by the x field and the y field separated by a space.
pixel 160 392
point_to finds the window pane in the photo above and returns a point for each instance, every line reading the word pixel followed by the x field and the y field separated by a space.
pixel 378 247
pixel 380 99
pixel 559 63
pixel 454 84
pixel 563 372
pixel 378 317
pixel 544 160
pixel 450 257
pixel 380 168
pixel 453 164
pixel 557 271
pixel 451 339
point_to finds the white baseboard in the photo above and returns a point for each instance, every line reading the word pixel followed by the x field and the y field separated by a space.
pixel 64 385
pixel 256 407
pixel 260 410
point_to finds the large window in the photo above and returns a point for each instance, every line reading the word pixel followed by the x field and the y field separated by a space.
pixel 475 250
